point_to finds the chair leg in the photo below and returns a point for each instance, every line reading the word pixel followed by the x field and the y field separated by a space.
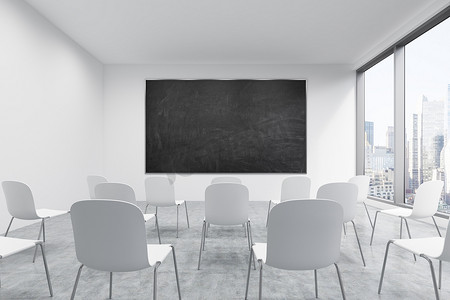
pixel 401 227
pixel 368 215
pixel 268 211
pixel 205 235
pixel 41 230
pixel 155 281
pixel 437 228
pixel 315 284
pixel 46 270
pixel 202 241
pixel 187 217
pixel 440 274
pixel 384 265
pixel 76 283
pixel 409 234
pixel 345 230
pixel 373 228
pixel 359 244
pixel 340 281
pixel 178 206
pixel 9 226
pixel 110 285
pixel 176 272
pixel 156 213
pixel 248 272
pixel 260 279
pixel 250 240
pixel 157 228
pixel 433 275
pixel 145 211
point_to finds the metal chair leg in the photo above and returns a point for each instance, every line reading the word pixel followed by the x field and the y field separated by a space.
pixel 155 281
pixel 437 228
pixel 202 241
pixel 248 272
pixel 409 234
pixel 76 283
pixel 46 270
pixel 187 217
pixel 177 218
pixel 110 285
pixel 440 274
pixel 384 265
pixel 39 237
pixel 368 215
pixel 250 241
pixel 433 275
pixel 373 228
pixel 268 212
pixel 401 227
pixel 9 226
pixel 340 281
pixel 157 228
pixel 345 229
pixel 315 284
pixel 260 278
pixel 176 272
pixel 145 211
pixel 359 244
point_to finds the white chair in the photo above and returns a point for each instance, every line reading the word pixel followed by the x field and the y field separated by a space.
pixel 294 187
pixel 123 192
pixel 226 204
pixel 226 179
pixel 20 203
pixel 346 194
pixel 105 244
pixel 301 235
pixel 428 248
pixel 363 182
pixel 425 206
pixel 10 246
pixel 160 192
pixel 92 181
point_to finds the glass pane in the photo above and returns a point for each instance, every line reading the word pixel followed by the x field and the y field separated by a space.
pixel 427 111
pixel 379 128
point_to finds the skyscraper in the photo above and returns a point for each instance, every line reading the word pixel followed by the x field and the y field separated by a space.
pixel 414 155
pixel 390 138
pixel 368 127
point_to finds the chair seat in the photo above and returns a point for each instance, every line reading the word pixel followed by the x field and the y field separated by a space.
pixel 9 246
pixel 148 217
pixel 431 247
pixel 397 212
pixel 157 253
pixel 260 251
pixel 49 213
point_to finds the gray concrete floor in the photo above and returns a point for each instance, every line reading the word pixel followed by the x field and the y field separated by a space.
pixel 224 264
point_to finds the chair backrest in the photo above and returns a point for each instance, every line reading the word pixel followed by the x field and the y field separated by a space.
pixel 226 204
pixel 304 234
pixel 344 193
pixel 427 199
pixel 115 191
pixel 226 179
pixel 19 200
pixel 92 181
pixel 159 191
pixel 109 235
pixel 362 181
pixel 445 256
pixel 295 187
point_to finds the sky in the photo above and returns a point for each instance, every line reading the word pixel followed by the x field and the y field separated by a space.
pixel 427 61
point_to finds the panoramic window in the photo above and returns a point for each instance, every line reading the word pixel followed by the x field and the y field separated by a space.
pixel 427 112
pixel 379 128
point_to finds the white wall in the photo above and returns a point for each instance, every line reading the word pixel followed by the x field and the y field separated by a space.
pixel 330 123
pixel 51 110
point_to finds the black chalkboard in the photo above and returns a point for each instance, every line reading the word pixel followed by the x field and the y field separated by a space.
pixel 225 126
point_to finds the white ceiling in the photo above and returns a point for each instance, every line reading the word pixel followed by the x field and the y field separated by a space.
pixel 236 31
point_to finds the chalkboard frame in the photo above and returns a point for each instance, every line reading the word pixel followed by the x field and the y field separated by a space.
pixel 167 145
